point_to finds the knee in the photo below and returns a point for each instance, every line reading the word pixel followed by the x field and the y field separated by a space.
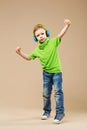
pixel 58 92
pixel 46 95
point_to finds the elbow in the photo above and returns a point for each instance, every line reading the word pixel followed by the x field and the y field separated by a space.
pixel 28 59
pixel 60 36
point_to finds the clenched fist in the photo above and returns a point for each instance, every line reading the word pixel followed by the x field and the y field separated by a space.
pixel 67 21
pixel 18 50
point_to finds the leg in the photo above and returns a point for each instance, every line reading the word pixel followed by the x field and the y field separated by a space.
pixel 59 97
pixel 47 88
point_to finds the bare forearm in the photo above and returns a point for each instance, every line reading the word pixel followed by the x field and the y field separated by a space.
pixel 64 30
pixel 24 56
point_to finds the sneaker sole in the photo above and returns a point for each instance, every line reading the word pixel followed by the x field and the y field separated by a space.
pixel 44 117
pixel 57 121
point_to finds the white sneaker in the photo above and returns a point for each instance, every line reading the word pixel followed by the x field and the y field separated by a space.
pixel 45 116
pixel 58 118
pixel 56 121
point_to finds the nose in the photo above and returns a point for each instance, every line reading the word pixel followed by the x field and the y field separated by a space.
pixel 41 36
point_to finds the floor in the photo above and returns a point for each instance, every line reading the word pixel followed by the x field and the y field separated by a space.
pixel 27 119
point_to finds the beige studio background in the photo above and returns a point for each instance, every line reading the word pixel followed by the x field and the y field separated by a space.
pixel 20 80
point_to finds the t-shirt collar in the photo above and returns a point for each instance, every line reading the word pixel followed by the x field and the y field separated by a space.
pixel 42 45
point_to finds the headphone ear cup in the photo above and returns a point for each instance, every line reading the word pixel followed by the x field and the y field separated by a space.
pixel 48 33
pixel 34 38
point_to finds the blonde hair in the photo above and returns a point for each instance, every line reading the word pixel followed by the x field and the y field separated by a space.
pixel 37 27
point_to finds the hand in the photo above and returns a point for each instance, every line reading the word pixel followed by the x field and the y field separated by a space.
pixel 18 50
pixel 67 21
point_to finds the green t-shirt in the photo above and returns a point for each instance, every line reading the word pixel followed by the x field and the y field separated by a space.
pixel 48 55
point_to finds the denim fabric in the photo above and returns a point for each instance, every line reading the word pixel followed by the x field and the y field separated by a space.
pixel 50 81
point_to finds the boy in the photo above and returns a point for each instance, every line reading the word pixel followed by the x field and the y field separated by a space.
pixel 47 53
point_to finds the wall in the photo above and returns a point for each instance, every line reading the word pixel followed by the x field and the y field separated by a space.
pixel 20 80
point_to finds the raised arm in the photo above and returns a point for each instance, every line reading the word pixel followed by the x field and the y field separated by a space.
pixel 23 55
pixel 67 23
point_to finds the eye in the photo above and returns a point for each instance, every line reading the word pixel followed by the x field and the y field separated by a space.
pixel 37 35
pixel 42 33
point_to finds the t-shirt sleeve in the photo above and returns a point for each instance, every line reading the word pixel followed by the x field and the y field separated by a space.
pixel 32 55
pixel 56 40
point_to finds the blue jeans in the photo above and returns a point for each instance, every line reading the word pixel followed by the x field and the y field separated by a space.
pixel 49 80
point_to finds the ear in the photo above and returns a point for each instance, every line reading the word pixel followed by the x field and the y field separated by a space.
pixel 48 33
pixel 34 38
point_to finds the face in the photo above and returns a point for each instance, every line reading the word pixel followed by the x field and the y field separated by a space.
pixel 40 34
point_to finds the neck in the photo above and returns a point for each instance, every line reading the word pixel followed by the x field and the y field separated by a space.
pixel 43 41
